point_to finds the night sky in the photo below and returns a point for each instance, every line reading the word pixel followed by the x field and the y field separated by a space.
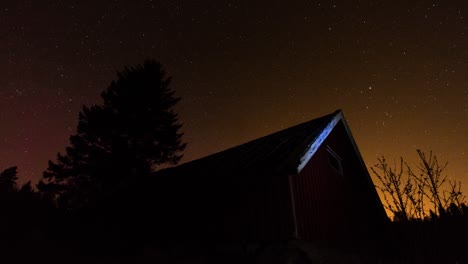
pixel 244 69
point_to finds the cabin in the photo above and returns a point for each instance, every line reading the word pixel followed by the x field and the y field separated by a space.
pixel 307 182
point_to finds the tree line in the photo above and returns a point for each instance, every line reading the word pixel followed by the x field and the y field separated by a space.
pixel 95 196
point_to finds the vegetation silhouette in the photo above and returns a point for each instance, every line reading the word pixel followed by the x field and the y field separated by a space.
pixel 430 214
pixel 8 180
pixel 99 185
pixel 24 220
pixel 117 143
pixel 419 194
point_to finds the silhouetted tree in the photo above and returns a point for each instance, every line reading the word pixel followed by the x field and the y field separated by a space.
pixel 405 190
pixel 8 180
pixel 119 142
pixel 429 211
pixel 396 188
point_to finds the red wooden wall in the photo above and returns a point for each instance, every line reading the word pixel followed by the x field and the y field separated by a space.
pixel 259 206
pixel 333 208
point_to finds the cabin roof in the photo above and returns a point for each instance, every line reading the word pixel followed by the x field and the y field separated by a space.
pixel 285 151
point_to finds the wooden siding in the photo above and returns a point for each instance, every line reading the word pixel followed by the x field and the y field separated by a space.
pixel 245 194
pixel 333 208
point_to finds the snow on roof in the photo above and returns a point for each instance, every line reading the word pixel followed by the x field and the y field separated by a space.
pixel 286 151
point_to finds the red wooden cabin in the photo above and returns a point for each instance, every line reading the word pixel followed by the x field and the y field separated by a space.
pixel 306 182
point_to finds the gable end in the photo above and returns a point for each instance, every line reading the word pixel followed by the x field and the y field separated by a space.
pixel 318 141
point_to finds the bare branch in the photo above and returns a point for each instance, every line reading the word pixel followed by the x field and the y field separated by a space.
pixel 405 191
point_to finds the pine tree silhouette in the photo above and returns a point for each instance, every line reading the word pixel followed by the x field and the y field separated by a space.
pixel 119 142
pixel 8 180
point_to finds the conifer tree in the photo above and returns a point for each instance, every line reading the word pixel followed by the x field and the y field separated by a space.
pixel 8 180
pixel 119 142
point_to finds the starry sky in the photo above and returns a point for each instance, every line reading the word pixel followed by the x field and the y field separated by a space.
pixel 244 69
